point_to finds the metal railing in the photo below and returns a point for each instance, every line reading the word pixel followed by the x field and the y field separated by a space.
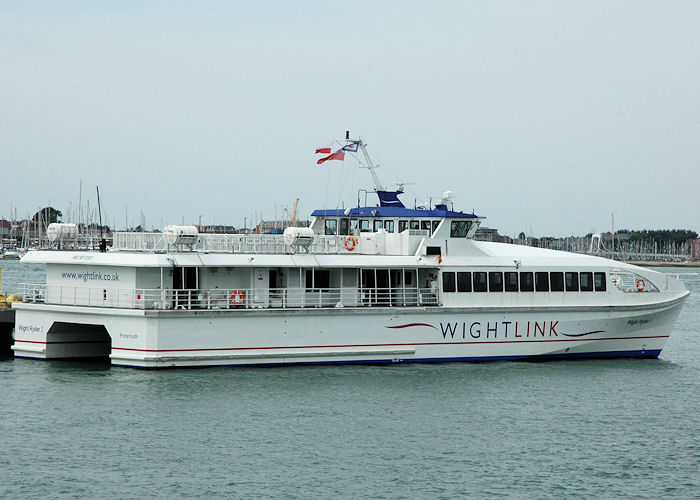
pixel 218 298
pixel 630 282
pixel 259 243
pixel 227 243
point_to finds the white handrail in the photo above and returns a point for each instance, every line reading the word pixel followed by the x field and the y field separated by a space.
pixel 220 298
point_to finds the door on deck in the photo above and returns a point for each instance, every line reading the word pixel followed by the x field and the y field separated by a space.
pixel 184 286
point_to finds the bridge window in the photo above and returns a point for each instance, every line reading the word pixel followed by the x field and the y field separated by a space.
pixel 353 225
pixel 425 225
pixel 541 282
pixel 378 224
pixel 436 223
pixel 364 226
pixel 464 282
pixel 448 282
pixel 527 283
pixel 586 280
pixel 331 226
pixel 599 280
pixel 571 280
pixel 511 282
pixel 459 228
pixel 495 282
pixel 415 224
pixel 480 283
pixel 389 226
pixel 344 226
pixel 556 282
pixel 403 225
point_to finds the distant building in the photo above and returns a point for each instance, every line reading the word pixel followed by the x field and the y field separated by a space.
pixel 5 227
pixel 488 234
pixel 219 229
pixel 278 226
pixel 694 249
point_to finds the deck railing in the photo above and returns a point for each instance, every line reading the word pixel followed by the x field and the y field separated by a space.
pixel 218 298
pixel 227 243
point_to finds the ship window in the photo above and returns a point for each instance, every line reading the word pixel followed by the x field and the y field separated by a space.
pixel 599 280
pixel 556 282
pixel 389 226
pixel 353 225
pixel 408 278
pixel 527 284
pixel 571 280
pixel 321 278
pixel 586 280
pixel 495 282
pixel 541 282
pixel 511 282
pixel 415 224
pixel 331 226
pixel 436 223
pixel 403 225
pixel 464 282
pixel 364 226
pixel 425 225
pixel 344 225
pixel 433 251
pixel 480 282
pixel 448 282
pixel 378 225
pixel 459 229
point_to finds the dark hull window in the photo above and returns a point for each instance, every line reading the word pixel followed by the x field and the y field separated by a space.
pixel 586 280
pixel 541 282
pixel 571 282
pixel 495 282
pixel 511 282
pixel 599 280
pixel 527 284
pixel 464 282
pixel 480 283
pixel 448 282
pixel 556 282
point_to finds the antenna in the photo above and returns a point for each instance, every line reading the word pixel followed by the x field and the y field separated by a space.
pixel 103 242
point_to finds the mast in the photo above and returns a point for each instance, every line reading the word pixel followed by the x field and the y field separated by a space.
pixel 372 169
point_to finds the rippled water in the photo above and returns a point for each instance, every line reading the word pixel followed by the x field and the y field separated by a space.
pixel 606 428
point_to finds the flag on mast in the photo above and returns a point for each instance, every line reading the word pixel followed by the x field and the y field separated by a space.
pixel 323 150
pixel 338 155
pixel 352 147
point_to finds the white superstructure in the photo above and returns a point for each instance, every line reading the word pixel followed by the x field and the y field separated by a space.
pixel 378 283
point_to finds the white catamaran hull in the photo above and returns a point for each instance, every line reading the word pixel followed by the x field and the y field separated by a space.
pixel 151 339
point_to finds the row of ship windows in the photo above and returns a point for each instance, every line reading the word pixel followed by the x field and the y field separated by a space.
pixel 497 281
pixel 458 229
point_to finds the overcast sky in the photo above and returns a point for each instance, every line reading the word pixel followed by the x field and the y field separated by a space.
pixel 547 115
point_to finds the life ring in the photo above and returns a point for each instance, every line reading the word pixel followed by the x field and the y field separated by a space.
pixel 641 284
pixel 237 297
pixel 350 243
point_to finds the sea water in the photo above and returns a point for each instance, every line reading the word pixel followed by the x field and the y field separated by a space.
pixel 564 429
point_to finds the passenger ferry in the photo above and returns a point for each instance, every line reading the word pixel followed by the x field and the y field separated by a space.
pixel 377 283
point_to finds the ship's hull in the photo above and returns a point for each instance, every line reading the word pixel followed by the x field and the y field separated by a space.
pixel 155 339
